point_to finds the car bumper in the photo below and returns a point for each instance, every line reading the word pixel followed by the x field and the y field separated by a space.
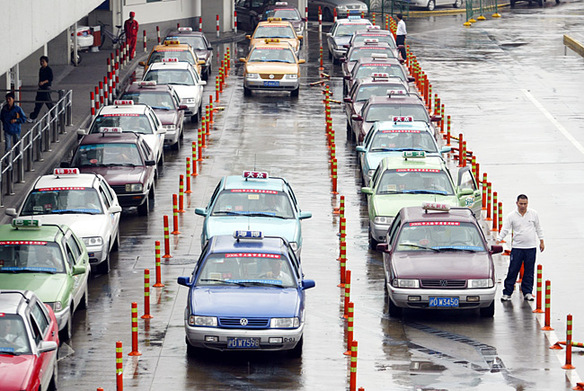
pixel 63 317
pixel 171 136
pixel 96 254
pixel 283 85
pixel 270 339
pixel 338 53
pixel 420 298
pixel 378 231
pixel 191 109
pixel 128 200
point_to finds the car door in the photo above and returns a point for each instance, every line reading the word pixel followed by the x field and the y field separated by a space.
pixel 74 251
pixel 159 130
pixel 466 180
pixel 42 330
pixel 109 199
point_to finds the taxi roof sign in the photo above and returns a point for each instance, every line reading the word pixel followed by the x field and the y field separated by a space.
pixel 123 102
pixel 370 40
pixel 378 55
pixel 185 29
pixel 66 171
pixel 374 28
pixel 171 42
pixel 272 40
pixel 281 3
pixel 403 119
pixel 149 83
pixel 435 206
pixel 414 154
pixel 380 75
pixel 26 223
pixel 240 234
pixel 170 59
pixel 395 92
pixel 255 174
pixel 110 129
pixel 274 19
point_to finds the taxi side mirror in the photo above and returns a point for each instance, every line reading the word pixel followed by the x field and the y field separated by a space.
pixel 356 117
pixel 79 269
pixel 142 63
pixel 346 45
pixel 183 107
pixel 184 281
pixel 301 61
pixel 210 47
pixel 304 215
pixel 436 118
pixel 115 209
pixel 367 190
pixel 347 77
pixel 200 212
pixel 347 100
pixel 248 36
pixel 445 150
pixel 242 59
pixel 10 212
pixel 150 163
pixel 329 34
pixel 342 59
pixel 496 249
pixel 411 79
pixel 466 192
pixel 300 36
pixel 360 148
pixel 47 346
pixel 383 247
pixel 201 62
pixel 81 132
pixel 203 82
pixel 307 284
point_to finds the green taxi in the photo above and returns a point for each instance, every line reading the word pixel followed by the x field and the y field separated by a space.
pixel 409 180
pixel 49 260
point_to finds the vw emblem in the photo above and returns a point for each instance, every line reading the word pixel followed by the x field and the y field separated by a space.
pixel 243 322
pixel 271 76
pixel 443 283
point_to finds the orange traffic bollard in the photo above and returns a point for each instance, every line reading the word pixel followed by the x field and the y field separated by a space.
pixel 548 304
pixel 194 158
pixel 158 283
pixel 334 169
pixel 337 210
pixel 343 228
pixel 119 367
pixel 188 176
pixel 460 149
pixel 489 201
pixel 134 351
pixel 181 194
pixel 347 293
pixel 175 230
pixel 350 328
pixel 201 141
pixel 484 188
pixel 538 309
pixel 146 295
pixel 353 375
pixel 568 364
pixel 495 212
pixel 166 239
pixel 211 110
pixel 343 261
pixel 500 217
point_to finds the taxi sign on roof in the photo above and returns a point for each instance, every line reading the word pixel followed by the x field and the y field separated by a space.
pixel 185 29
pixel 240 234
pixel 403 119
pixel 274 19
pixel 434 223
pixel 417 170
pixel 383 75
pixel 149 83
pixel 174 42
pixel 255 174
pixel 353 17
pixel 435 206
pixel 378 55
pixel 66 171
pixel 123 102
pixel 414 154
pixel 110 129
pixel 371 40
pixel 26 223
pixel 269 40
pixel 170 59
pixel 281 3
pixel 395 92
pixel 401 131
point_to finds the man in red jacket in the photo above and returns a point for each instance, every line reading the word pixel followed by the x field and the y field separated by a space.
pixel 131 29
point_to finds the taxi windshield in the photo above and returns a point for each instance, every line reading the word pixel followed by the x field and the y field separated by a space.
pixel 274 32
pixel 59 200
pixel 181 55
pixel 196 42
pixel 380 89
pixel 110 154
pixel 283 13
pixel 402 140
pixel 382 38
pixel 367 51
pixel 246 269
pixel 272 55
pixel 137 123
pixel 25 256
pixel 415 181
pixel 440 235
pixel 386 112
pixel 257 203
pixel 349 28
pixel 170 76
pixel 368 70
pixel 156 100
pixel 13 337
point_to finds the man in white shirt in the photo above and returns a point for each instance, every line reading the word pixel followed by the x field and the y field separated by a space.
pixel 400 35
pixel 526 230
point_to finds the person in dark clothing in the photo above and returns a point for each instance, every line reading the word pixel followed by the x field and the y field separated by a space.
pixel 45 81
pixel 131 28
pixel 11 117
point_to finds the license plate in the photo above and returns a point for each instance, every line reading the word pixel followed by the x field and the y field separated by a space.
pixel 443 302
pixel 243 343
pixel 270 83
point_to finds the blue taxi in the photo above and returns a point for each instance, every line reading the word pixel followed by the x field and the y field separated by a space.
pixel 246 293
pixel 256 201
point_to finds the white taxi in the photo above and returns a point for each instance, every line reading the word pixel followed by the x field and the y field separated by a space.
pixel 185 81
pixel 84 202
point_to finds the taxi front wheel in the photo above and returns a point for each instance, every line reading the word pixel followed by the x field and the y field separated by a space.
pixel 246 91
pixel 295 93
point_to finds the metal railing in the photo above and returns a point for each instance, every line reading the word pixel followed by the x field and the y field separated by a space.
pixel 390 7
pixel 34 143
pixel 476 9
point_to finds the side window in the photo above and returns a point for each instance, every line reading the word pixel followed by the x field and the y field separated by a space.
pixel 105 196
pixel 175 99
pixel 41 320
pixel 292 197
pixel 467 181
pixel 147 150
pixel 295 262
pixel 154 119
pixel 375 177
pixel 393 229
pixel 73 248
pixel 214 196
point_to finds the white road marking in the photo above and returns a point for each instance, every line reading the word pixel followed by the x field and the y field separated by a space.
pixel 558 125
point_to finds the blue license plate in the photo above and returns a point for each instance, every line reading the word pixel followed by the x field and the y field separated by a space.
pixel 270 83
pixel 448 302
pixel 243 343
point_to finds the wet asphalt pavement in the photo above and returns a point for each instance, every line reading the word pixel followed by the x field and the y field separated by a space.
pixel 518 100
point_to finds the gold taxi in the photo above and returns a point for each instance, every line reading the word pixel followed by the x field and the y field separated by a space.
pixel 271 65
pixel 173 50
pixel 278 29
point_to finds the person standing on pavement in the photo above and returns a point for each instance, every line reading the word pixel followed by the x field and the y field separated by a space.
pixel 131 28
pixel 43 96
pixel 524 225
pixel 400 35
pixel 11 117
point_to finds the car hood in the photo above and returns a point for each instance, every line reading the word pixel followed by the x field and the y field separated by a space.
pixel 48 287
pixel 235 301
pixel 262 67
pixel 444 265
pixel 185 91
pixel 389 205
pixel 119 175
pixel 269 226
pixel 167 117
pixel 84 225
pixel 16 371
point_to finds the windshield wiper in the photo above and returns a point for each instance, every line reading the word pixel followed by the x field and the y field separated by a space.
pixel 264 283
pixel 28 270
pixel 222 281
pixel 262 214
pixel 160 108
pixel 425 192
pixel 418 246
pixel 454 248
pixel 72 211
pixel 227 212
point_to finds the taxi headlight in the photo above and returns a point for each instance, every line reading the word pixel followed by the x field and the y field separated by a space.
pixel 342 7
pixel 190 100
pixel 383 220
pixel 482 283
pixel 294 246
pixel 169 127
pixel 208 321
pixel 93 241
pixel 291 76
pixel 284 323
pixel 405 283
pixel 252 76
pixel 133 187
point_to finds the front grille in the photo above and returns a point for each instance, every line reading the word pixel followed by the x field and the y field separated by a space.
pixel 252 323
pixel 443 284
pixel 267 76
pixel 119 189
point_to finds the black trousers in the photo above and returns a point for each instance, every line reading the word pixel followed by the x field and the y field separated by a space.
pixel 401 40
pixel 42 98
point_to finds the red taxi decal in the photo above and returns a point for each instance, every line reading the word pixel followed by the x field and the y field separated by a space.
pixel 401 131
pixel 431 223
pixel 171 50
pixel 60 188
pixel 33 242
pixel 377 65
pixel 121 115
pixel 416 170
pixel 270 48
pixel 252 255
pixel 254 191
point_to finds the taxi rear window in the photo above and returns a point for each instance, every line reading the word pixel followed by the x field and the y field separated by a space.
pixel 129 122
